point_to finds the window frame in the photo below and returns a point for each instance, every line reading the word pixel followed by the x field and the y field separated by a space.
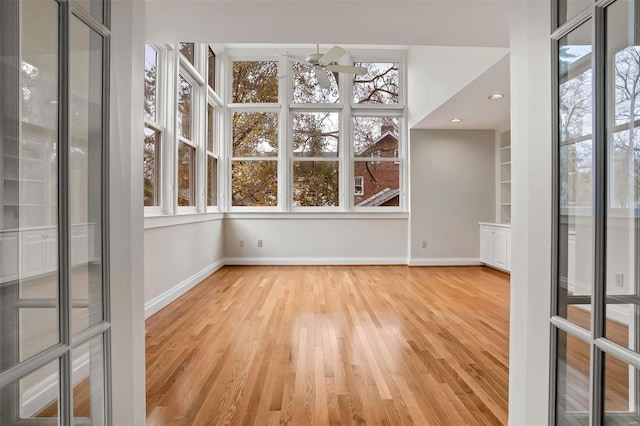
pixel 286 106
pixel 160 126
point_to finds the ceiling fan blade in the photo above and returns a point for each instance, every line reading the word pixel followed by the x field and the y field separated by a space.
pixel 304 71
pixel 323 79
pixel 347 68
pixel 293 58
pixel 332 55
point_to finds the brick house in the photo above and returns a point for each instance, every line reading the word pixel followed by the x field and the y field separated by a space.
pixel 376 183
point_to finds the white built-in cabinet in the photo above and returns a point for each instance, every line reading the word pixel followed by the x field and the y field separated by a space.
pixel 495 245
pixel 33 252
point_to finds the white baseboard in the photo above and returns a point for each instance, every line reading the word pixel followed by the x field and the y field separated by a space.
pixel 46 391
pixel 315 261
pixel 616 313
pixel 157 303
pixel 445 261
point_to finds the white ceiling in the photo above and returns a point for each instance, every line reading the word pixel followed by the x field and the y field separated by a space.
pixel 472 104
pixel 482 23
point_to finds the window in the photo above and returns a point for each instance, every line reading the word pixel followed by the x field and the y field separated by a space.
pixel 186 146
pixel 188 51
pixel 358 185
pixel 152 151
pixel 376 137
pixel 211 68
pixel 381 85
pixel 212 160
pixel 314 164
pixel 255 136
pixel 254 165
pixel 316 137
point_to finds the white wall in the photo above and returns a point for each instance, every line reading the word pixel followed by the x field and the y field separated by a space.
pixel 452 189
pixel 435 74
pixel 178 257
pixel 317 241
pixel 126 213
pixel 531 212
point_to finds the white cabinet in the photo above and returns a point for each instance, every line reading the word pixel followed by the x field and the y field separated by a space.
pixel 495 245
pixel 9 243
pixel 39 252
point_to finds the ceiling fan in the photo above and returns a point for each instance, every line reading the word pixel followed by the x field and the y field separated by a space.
pixel 321 63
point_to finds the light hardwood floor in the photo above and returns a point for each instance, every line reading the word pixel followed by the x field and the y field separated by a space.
pixel 333 345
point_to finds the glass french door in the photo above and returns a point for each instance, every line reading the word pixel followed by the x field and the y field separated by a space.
pixel 54 282
pixel 595 313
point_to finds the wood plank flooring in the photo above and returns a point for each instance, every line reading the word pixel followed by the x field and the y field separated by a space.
pixel 333 345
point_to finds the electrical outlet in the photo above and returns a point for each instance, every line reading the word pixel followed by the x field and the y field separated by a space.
pixel 619 279
pixel 424 243
pixel 259 243
pixel 241 243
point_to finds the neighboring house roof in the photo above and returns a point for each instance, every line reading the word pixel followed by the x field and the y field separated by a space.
pixel 377 141
pixel 379 198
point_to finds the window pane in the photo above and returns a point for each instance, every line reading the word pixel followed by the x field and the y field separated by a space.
pixel 85 198
pixel 211 69
pixel 188 50
pixel 254 183
pixel 150 82
pixel 88 382
pixel 210 128
pixel 316 134
pixel 185 104
pixel 316 183
pixel 306 88
pixel 620 384
pixel 151 167
pixel 623 140
pixel 212 181
pixel 569 9
pixel 381 85
pixel 186 175
pixel 375 137
pixel 36 395
pixel 576 233
pixel 255 134
pixel 255 81
pixel 572 380
pixel 381 181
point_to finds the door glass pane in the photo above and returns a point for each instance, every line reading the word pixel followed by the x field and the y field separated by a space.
pixel 620 397
pixel 575 227
pixel 94 7
pixel 38 396
pixel 572 380
pixel 85 175
pixel 623 145
pixel 569 9
pixel 88 382
pixel 28 187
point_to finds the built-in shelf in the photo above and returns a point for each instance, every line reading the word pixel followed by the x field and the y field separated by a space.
pixel 503 157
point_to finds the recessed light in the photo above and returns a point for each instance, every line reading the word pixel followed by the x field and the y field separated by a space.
pixel 496 96
pixel 53 102
pixel 455 120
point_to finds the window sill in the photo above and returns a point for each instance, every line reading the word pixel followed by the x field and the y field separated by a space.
pixel 151 222
pixel 317 215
